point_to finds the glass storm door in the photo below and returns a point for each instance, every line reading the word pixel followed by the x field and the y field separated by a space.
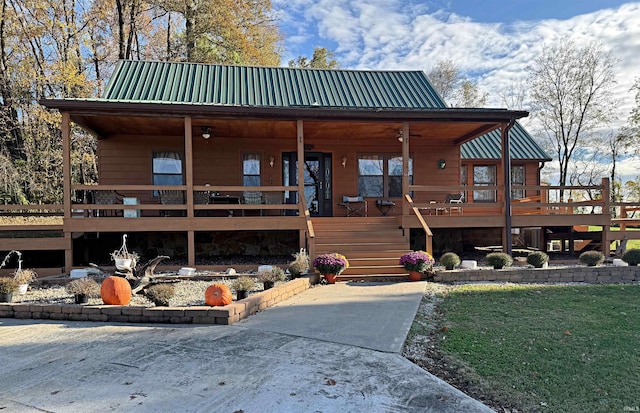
pixel 317 181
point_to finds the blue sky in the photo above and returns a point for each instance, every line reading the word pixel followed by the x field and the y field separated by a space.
pixel 492 41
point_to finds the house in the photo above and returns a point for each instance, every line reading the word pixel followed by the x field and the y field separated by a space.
pixel 207 155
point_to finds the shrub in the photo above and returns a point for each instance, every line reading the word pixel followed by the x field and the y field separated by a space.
pixel 243 284
pixel 7 285
pixel 591 258
pixel 272 275
pixel 160 294
pixel 87 286
pixel 499 260
pixel 632 256
pixel 537 259
pixel 450 260
pixel 300 264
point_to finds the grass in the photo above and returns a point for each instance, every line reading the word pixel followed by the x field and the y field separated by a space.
pixel 547 348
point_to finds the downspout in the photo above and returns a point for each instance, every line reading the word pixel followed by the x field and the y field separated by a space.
pixel 506 167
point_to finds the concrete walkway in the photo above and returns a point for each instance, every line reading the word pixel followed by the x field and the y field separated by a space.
pixel 331 349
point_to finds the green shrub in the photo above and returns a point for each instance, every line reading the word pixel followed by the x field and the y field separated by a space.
pixel 591 258
pixel 243 284
pixel 632 256
pixel 450 260
pixel 160 294
pixel 499 260
pixel 537 259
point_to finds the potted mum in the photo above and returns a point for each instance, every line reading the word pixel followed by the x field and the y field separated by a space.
pixel 417 263
pixel 330 266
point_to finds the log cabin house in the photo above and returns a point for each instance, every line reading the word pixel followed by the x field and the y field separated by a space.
pixel 207 156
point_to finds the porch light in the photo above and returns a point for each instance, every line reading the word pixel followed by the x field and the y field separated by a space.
pixel 344 161
pixel 206 132
pixel 272 161
pixel 441 163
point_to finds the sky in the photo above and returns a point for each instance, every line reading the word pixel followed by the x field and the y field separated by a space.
pixel 492 41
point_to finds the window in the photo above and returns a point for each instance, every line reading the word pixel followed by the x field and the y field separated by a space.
pixel 167 169
pixel 517 178
pixel 380 175
pixel 251 169
pixel 484 175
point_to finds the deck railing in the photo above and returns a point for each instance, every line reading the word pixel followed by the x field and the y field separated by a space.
pixel 427 231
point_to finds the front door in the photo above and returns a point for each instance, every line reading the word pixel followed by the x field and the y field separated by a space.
pixel 317 180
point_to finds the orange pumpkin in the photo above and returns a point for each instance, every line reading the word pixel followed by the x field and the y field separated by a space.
pixel 115 291
pixel 218 294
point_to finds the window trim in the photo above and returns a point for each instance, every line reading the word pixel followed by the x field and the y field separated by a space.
pixel 385 157
pixel 154 156
pixel 519 193
pixel 494 183
pixel 259 175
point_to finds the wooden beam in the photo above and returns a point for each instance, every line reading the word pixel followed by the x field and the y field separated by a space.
pixel 507 238
pixel 475 133
pixel 66 164
pixel 300 148
pixel 606 210
pixel 405 166
pixel 188 156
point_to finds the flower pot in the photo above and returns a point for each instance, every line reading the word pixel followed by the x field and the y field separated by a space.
pixel 449 267
pixel 415 276
pixel 22 289
pixel 81 298
pixel 268 284
pixel 6 297
pixel 123 263
pixel 241 294
pixel 331 278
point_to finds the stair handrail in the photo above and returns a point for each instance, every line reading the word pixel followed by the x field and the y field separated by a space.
pixel 423 223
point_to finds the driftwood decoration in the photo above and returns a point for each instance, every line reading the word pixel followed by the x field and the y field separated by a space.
pixel 142 276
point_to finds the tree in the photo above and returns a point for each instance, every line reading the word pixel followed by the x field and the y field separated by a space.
pixel 571 96
pixel 633 129
pixel 322 58
pixel 454 88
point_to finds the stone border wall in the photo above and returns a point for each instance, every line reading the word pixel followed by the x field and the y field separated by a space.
pixel 228 314
pixel 594 275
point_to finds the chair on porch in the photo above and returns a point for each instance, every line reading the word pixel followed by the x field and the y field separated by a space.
pixel 201 198
pixel 171 197
pixel 99 197
pixel 457 199
pixel 252 198
pixel 274 198
pixel 355 205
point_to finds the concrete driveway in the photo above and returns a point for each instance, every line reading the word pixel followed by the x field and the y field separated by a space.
pixel 266 364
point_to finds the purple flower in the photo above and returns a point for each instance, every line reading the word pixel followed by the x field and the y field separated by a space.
pixel 419 261
pixel 330 263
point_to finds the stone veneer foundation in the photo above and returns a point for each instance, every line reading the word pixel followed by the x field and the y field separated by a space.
pixel 228 314
pixel 593 275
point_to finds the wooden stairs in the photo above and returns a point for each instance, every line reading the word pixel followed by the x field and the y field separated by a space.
pixel 373 245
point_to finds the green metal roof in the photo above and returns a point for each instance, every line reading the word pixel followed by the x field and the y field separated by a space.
pixel 489 146
pixel 281 87
pixel 194 83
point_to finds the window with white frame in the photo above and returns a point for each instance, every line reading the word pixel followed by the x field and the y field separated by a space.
pixel 251 169
pixel 167 169
pixel 380 175
pixel 484 175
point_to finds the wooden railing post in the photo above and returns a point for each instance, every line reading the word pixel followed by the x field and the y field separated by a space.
pixel 606 209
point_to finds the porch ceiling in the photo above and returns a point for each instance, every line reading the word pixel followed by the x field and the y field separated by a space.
pixel 107 125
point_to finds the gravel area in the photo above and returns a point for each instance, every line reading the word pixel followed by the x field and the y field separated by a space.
pixel 187 293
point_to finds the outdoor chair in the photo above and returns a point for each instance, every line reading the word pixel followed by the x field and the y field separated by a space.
pixel 171 197
pixel 457 199
pixel 106 198
pixel 252 198
pixel 274 198
pixel 201 198
pixel 355 205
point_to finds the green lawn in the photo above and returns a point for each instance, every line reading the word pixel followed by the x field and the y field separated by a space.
pixel 632 243
pixel 548 348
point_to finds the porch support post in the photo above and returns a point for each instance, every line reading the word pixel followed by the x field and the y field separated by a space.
pixel 66 183
pixel 300 148
pixel 507 238
pixel 188 156
pixel 405 167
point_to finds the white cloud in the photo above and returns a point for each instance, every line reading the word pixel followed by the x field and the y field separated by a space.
pixel 384 34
